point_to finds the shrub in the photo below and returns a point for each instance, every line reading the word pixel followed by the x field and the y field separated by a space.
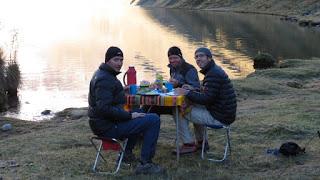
pixel 264 61
pixel 10 80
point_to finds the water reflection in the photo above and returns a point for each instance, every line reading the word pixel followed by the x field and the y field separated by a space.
pixel 58 52
pixel 237 38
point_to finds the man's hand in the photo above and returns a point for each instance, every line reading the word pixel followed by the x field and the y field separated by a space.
pixel 136 115
pixel 174 82
pixel 181 91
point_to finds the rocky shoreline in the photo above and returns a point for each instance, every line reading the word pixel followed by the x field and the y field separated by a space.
pixel 304 16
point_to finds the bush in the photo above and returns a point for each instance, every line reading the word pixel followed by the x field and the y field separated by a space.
pixel 2 82
pixel 13 78
pixel 10 80
pixel 264 61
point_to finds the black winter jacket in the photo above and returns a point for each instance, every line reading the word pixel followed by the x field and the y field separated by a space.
pixel 217 94
pixel 106 100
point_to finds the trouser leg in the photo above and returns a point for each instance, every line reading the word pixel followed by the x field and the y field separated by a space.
pixel 184 130
pixel 198 131
pixel 148 125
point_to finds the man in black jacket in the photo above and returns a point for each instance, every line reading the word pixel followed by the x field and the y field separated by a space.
pixel 109 119
pixel 216 102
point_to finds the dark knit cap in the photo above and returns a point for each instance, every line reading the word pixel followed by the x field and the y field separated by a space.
pixel 174 51
pixel 112 52
pixel 204 50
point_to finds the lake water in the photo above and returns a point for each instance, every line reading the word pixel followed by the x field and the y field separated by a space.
pixel 61 43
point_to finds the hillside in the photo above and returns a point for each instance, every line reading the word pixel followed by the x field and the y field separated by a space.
pixel 302 9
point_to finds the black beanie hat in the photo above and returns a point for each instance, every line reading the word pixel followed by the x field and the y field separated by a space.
pixel 112 52
pixel 174 51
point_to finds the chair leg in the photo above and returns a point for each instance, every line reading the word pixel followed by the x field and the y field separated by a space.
pixel 203 142
pixel 226 148
pixel 229 142
pixel 97 157
pixel 121 154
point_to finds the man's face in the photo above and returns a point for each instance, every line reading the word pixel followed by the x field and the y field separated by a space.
pixel 115 63
pixel 174 60
pixel 201 59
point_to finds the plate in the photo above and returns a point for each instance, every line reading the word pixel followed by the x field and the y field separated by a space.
pixel 150 93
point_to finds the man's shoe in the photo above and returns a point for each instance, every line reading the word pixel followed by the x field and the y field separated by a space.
pixel 206 145
pixel 149 168
pixel 186 149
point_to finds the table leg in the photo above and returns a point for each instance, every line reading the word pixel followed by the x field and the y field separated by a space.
pixel 177 135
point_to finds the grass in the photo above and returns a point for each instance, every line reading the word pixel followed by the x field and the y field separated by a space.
pixel 269 114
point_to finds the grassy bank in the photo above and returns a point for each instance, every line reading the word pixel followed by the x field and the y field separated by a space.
pixel 274 106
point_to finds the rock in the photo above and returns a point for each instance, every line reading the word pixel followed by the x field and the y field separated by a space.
pixel 46 112
pixel 263 61
pixel 8 163
pixel 306 13
pixel 294 84
pixel 305 23
pixel 78 113
pixel 315 24
pixel 287 18
pixel 6 127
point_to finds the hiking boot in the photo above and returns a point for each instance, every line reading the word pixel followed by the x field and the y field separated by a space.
pixel 186 148
pixel 149 168
pixel 206 146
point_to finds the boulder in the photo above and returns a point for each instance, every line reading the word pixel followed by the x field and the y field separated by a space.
pixel 78 113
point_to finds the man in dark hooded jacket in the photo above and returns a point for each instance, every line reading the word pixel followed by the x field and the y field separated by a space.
pixel 109 119
pixel 214 104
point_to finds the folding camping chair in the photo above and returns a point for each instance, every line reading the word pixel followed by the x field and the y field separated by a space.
pixel 108 144
pixel 227 146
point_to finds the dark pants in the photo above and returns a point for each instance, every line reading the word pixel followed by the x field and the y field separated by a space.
pixel 148 126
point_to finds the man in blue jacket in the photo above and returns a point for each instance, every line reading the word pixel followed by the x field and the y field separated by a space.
pixel 215 103
pixel 181 74
pixel 109 119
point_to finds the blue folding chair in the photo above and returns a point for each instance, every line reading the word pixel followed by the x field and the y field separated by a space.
pixel 227 146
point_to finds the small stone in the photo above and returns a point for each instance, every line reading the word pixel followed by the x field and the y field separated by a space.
pixel 294 85
pixel 46 112
pixel 6 127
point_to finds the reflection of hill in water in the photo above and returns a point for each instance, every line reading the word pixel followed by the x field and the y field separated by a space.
pixel 241 36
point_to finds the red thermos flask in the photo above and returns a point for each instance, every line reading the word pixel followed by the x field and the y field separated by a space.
pixel 131 75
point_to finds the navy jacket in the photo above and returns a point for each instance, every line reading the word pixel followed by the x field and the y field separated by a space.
pixel 106 100
pixel 217 94
pixel 185 74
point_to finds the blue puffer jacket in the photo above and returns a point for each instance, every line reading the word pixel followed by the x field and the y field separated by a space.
pixel 106 100
pixel 217 94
